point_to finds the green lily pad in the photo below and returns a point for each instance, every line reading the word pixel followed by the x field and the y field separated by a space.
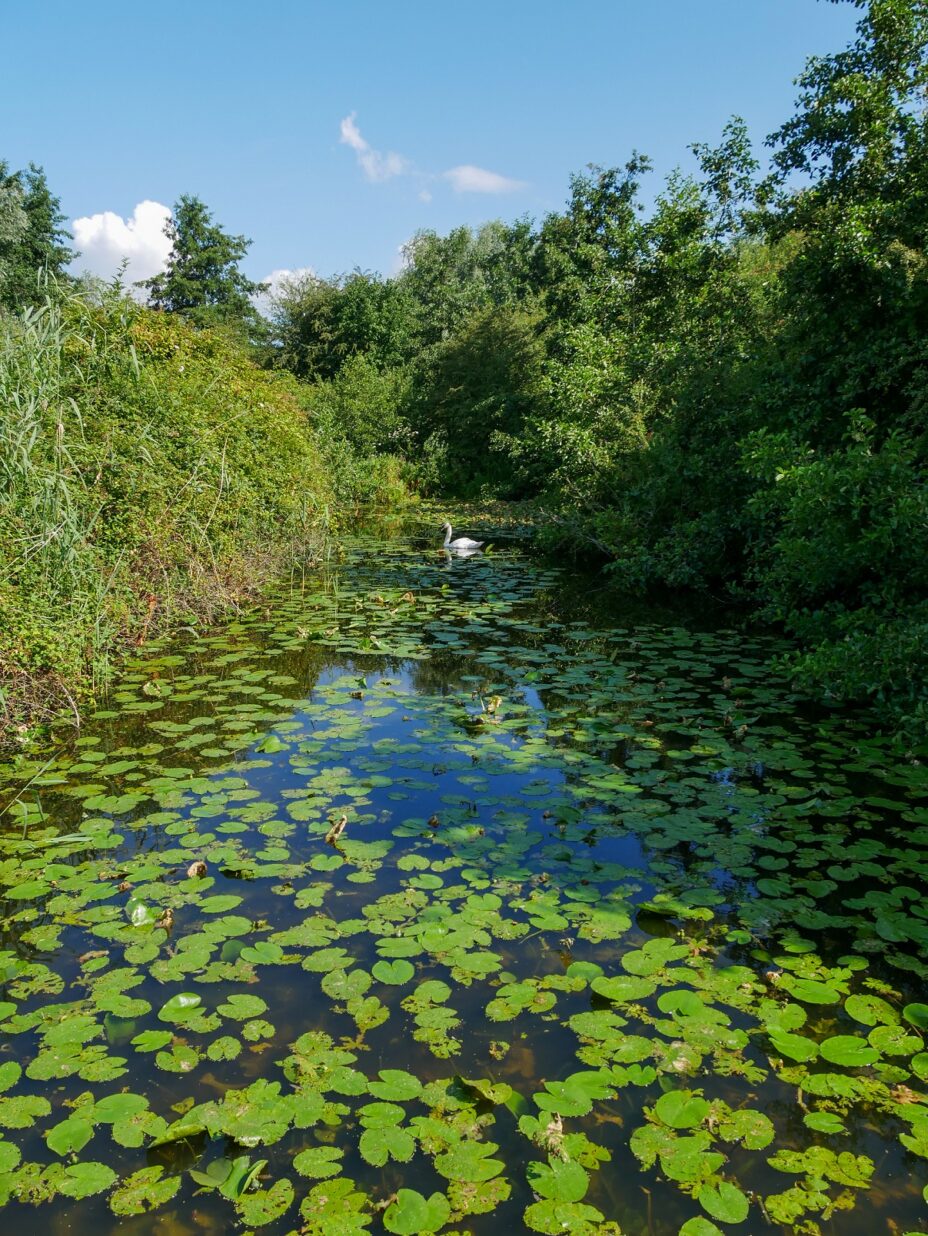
pixel 143 1191
pixel 724 1201
pixel 824 1122
pixel 69 1136
pixel 411 1214
pixel 85 1179
pixel 916 1015
pixel 848 1050
pixel 681 1109
pixel 395 973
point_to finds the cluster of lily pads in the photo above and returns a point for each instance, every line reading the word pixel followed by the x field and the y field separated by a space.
pixel 429 899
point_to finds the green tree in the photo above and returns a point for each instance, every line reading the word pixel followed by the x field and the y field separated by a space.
pixel 471 400
pixel 32 238
pixel 202 279
pixel 320 324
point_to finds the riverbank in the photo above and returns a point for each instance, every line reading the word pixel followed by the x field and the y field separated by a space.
pixel 153 477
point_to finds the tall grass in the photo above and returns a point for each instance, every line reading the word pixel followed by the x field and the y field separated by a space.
pixel 147 472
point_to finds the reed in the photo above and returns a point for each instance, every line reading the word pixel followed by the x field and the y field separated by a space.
pixel 148 474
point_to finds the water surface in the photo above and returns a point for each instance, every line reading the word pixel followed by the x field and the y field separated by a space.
pixel 615 934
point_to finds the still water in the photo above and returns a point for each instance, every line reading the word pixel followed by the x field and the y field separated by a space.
pixel 447 894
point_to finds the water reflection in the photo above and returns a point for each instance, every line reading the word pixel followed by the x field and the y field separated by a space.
pixel 540 793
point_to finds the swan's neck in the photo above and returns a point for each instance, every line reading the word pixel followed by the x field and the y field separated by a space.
pixel 448 537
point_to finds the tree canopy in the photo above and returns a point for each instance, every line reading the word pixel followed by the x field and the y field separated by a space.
pixel 202 279
pixel 32 238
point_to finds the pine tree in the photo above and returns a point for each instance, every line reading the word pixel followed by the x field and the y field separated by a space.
pixel 202 279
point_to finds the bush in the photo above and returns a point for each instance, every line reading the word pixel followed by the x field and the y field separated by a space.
pixel 147 470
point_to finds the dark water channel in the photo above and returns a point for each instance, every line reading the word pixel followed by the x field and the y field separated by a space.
pixel 615 935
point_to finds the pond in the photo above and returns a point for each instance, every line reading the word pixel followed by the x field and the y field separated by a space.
pixel 442 894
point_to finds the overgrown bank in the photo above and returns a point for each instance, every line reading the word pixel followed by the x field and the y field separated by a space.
pixel 150 474
pixel 723 391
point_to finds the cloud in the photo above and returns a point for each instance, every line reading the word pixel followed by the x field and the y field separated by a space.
pixel 376 166
pixel 280 281
pixel 106 239
pixel 470 179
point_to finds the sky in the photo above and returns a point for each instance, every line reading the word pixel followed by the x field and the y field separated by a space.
pixel 330 132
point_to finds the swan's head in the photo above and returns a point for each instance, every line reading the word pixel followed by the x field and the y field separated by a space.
pixel 446 527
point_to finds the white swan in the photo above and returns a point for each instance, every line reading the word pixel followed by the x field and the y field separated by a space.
pixel 463 542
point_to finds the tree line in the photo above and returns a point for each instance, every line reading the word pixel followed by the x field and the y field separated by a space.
pixel 719 389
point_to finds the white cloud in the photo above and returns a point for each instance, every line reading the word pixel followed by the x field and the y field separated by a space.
pixel 280 281
pixel 376 166
pixel 106 239
pixel 470 179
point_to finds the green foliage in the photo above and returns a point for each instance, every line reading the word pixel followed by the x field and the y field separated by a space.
pixel 32 240
pixel 724 392
pixel 362 406
pixel 471 400
pixel 202 279
pixel 147 472
pixel 320 324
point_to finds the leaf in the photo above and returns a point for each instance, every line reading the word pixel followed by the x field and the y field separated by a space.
pixel 793 1046
pixel 871 1010
pixel 85 1179
pixel 179 1007
pixel 681 1109
pixel 481 1088
pixel 396 1085
pixel 318 1162
pixel 144 1190
pixel 395 973
pixel 377 1145
pixel 263 1206
pixel 823 1122
pixel 380 1115
pixel 469 1160
pixel 698 1226
pixel 241 1007
pixel 140 913
pixel 118 1107
pixel 220 903
pixel 724 1201
pixel 916 1015
pixel 848 1050
pixel 152 1040
pixel 345 986
pixel 560 1218
pixel 559 1180
pixel 10 1073
pixel 810 991
pixel 623 987
pixel 411 1214
pixel 70 1135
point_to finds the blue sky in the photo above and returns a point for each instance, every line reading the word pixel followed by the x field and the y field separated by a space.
pixel 330 132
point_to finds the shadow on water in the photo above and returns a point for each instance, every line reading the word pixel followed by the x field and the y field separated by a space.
pixel 614 935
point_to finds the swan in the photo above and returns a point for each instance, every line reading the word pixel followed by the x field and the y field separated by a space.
pixel 463 542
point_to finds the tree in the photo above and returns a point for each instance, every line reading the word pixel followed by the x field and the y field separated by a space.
pixel 320 324
pixel 202 279
pixel 31 236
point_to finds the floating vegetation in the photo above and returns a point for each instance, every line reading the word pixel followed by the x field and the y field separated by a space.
pixel 431 900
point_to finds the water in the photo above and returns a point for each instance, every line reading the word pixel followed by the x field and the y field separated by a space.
pixel 617 935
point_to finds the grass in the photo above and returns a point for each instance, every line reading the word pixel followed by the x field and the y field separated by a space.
pixel 150 474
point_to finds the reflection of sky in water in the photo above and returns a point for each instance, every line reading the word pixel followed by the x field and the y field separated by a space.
pixel 417 696
pixel 502 759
